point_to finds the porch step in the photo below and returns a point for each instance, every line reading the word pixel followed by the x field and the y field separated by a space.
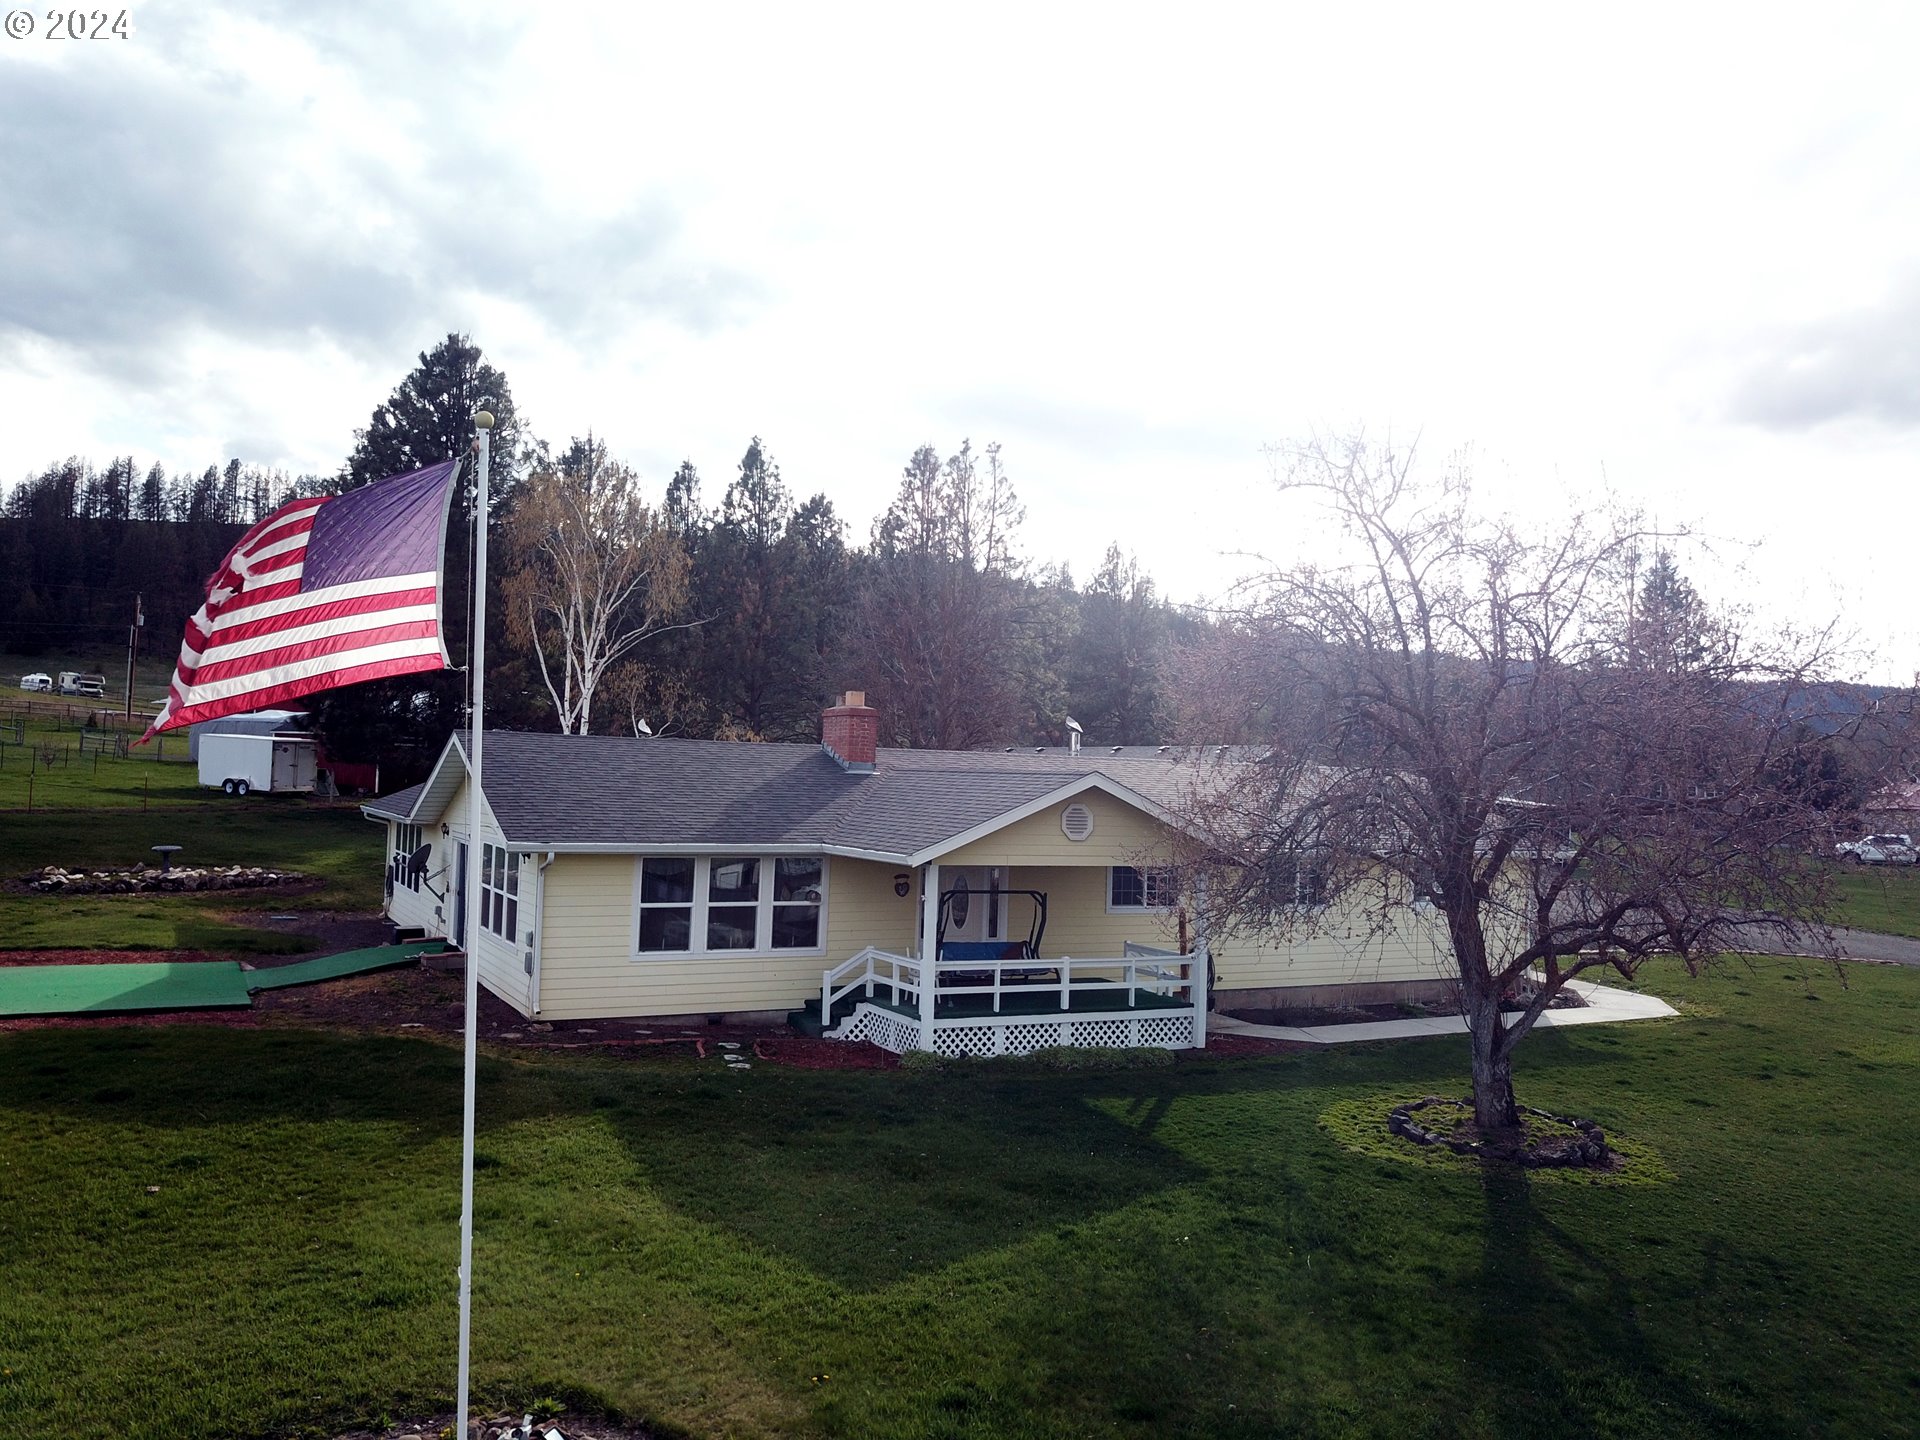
pixel 806 1020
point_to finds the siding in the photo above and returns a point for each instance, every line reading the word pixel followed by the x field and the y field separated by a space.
pixel 588 968
pixel 1077 920
pixel 1120 835
pixel 1343 949
pixel 410 907
pixel 502 962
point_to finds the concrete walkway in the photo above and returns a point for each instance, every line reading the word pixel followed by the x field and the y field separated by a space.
pixel 1603 1006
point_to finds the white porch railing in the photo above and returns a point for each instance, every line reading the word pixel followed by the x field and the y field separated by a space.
pixel 1141 973
pixel 872 967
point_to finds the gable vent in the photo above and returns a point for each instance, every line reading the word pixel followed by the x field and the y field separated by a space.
pixel 1076 822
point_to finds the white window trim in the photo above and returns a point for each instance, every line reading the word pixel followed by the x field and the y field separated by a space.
pixel 763 928
pixel 401 851
pixel 1113 909
pixel 510 863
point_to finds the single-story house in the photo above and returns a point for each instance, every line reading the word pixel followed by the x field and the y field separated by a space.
pixel 655 877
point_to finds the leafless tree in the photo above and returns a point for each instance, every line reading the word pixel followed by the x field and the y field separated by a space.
pixel 1450 713
pixel 592 574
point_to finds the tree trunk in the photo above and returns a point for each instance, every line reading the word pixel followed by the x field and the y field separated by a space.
pixel 1494 1109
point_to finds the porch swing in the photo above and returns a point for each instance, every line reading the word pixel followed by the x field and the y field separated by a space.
pixel 954 904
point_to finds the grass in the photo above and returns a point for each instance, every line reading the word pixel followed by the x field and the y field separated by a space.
pixel 155 776
pixel 332 842
pixel 1884 898
pixel 1185 1251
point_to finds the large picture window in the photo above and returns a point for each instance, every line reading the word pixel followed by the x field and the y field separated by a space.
pixel 1131 888
pixel 710 905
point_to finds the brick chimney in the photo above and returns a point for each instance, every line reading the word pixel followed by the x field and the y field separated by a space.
pixel 850 732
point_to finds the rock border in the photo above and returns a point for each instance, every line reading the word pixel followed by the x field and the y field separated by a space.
pixel 1583 1147
pixel 139 880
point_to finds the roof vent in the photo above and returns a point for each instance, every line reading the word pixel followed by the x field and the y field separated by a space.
pixel 1076 822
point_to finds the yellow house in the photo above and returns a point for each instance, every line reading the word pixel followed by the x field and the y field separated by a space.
pixel 969 902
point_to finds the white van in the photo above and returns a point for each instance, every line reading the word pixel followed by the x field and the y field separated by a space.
pixel 73 682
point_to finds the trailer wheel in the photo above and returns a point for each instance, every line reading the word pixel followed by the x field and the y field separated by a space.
pixel 227 785
pixel 240 787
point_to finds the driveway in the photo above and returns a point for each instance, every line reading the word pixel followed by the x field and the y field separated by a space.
pixel 1853 944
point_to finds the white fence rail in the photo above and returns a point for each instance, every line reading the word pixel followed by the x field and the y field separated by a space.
pixel 1142 971
pixel 869 969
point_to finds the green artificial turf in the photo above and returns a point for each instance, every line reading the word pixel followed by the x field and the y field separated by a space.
pixel 253 1232
pixel 113 989
pixel 335 844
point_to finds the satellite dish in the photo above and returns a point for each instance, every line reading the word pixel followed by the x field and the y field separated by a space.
pixel 417 865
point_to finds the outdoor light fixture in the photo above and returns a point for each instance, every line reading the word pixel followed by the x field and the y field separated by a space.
pixel 902 883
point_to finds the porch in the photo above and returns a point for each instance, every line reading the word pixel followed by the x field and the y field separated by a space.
pixel 1016 1004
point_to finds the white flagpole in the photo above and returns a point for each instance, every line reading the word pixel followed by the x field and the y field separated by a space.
pixel 483 427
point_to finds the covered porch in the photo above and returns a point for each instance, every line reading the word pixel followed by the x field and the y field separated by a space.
pixel 999 982
pixel 1016 1006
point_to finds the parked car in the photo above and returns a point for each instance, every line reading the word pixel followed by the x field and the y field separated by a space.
pixel 38 681
pixel 1878 850
pixel 74 682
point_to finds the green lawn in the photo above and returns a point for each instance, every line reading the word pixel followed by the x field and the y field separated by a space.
pixel 46 768
pixel 333 842
pixel 1882 898
pixel 1182 1251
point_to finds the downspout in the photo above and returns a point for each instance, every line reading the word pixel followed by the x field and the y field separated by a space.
pixel 539 931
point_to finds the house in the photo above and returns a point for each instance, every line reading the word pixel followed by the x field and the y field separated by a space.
pixel 687 878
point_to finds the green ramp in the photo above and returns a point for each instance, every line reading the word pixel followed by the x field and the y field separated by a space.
pixel 348 962
pixel 83 989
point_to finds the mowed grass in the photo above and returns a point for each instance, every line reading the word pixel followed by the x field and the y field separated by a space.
pixel 1884 898
pixel 236 1233
pixel 330 841
pixel 154 776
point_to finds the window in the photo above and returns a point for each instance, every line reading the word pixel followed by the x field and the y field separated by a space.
pixel 666 904
pixel 500 891
pixel 1299 880
pixel 700 905
pixel 1130 888
pixel 406 840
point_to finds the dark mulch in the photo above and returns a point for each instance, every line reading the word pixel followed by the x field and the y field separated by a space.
pixel 1221 1044
pixel 431 998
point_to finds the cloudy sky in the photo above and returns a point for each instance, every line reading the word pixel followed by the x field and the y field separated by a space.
pixel 1672 252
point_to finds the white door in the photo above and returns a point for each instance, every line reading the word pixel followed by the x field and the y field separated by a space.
pixel 977 902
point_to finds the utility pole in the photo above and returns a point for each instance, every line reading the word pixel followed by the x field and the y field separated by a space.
pixel 133 645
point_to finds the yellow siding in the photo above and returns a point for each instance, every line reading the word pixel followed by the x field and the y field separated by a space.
pixel 1078 924
pixel 1341 949
pixel 1120 835
pixel 588 968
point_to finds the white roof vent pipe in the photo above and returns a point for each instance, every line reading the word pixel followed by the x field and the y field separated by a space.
pixel 1073 736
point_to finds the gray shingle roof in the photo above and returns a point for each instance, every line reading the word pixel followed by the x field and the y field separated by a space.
pixel 569 790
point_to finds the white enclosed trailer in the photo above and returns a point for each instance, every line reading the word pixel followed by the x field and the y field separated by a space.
pixel 239 764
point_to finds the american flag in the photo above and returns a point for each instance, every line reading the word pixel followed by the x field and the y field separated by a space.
pixel 323 592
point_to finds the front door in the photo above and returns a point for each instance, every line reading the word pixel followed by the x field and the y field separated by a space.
pixel 976 902
pixel 459 927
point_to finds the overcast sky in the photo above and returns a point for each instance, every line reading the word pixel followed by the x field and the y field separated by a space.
pixel 1673 251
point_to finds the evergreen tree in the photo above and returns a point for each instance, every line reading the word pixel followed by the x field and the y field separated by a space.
pixel 428 418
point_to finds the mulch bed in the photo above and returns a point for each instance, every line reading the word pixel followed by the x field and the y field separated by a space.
pixel 431 997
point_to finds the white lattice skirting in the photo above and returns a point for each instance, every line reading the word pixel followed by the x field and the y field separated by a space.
pixel 1017 1035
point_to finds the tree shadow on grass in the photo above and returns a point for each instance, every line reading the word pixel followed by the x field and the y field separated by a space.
pixel 869 1185
pixel 1556 1347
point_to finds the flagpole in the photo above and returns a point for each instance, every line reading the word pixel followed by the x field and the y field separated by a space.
pixel 477 677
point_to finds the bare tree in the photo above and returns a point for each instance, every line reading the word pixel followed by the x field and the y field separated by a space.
pixel 593 574
pixel 1453 713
